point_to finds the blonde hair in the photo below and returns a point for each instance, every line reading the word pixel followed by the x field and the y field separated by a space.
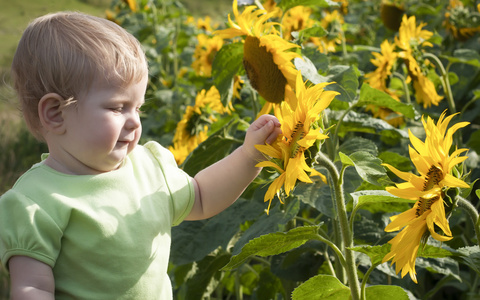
pixel 65 53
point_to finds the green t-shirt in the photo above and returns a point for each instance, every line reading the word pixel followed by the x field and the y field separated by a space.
pixel 105 236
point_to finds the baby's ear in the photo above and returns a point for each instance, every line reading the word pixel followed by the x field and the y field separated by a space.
pixel 50 113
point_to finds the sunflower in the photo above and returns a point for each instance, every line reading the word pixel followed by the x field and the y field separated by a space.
pixel 192 129
pixel 460 21
pixel 132 4
pixel 296 19
pixel 204 54
pixel 267 57
pixel 411 39
pixel 434 164
pixel 384 61
pixel 332 22
pixel 300 131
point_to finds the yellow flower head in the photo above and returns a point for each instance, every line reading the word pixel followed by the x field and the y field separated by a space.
pixel 204 54
pixel 296 19
pixel 411 36
pixel 410 40
pixel 434 164
pixel 461 21
pixel 384 61
pixel 267 57
pixel 192 129
pixel 332 21
pixel 299 132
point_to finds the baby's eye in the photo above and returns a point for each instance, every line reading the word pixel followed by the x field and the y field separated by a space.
pixel 116 109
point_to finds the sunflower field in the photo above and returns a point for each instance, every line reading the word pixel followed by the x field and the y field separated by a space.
pixel 374 176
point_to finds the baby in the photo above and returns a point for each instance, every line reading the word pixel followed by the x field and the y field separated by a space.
pixel 93 219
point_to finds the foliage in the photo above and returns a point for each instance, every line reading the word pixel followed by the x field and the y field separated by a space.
pixel 303 243
pixel 329 235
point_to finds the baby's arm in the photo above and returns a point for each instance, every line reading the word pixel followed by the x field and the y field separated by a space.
pixel 219 185
pixel 30 279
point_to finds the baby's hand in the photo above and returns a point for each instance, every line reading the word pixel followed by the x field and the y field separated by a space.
pixel 263 130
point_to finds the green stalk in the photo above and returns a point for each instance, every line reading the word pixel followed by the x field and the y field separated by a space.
pixel 347 237
pixel 405 87
pixel 472 212
pixel 365 279
pixel 445 81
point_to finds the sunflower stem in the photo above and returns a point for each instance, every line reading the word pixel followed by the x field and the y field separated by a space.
pixel 347 237
pixel 472 212
pixel 335 134
pixel 365 279
pixel 405 87
pixel 445 81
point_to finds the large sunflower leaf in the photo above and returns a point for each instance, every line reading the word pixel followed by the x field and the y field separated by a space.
pixel 273 244
pixel 331 289
pixel 215 147
pixel 368 167
pixel 206 269
pixel 265 224
pixel 465 56
pixel 287 4
pixel 386 292
pixel 227 63
pixel 188 238
pixel 360 122
pixel 471 256
pixel 345 80
pixel 378 200
pixel 369 95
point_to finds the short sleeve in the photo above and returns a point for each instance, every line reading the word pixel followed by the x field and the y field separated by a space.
pixel 27 229
pixel 179 183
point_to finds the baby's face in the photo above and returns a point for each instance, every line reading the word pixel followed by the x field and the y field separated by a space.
pixel 104 126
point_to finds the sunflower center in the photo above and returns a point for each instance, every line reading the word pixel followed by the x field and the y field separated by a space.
pixel 424 204
pixel 433 177
pixel 195 124
pixel 262 72
pixel 296 135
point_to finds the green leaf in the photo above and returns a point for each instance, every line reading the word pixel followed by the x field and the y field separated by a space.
pixel 369 95
pixel 188 238
pixel 386 292
pixel 357 143
pixel 361 198
pixel 465 56
pixel 309 70
pixel 215 147
pixel 331 289
pixel 440 265
pixel 474 141
pixel 396 160
pixel 375 253
pixel 315 31
pixel 287 4
pixel 359 122
pixel 207 268
pixel 273 222
pixel 471 255
pixel 273 243
pixel 368 167
pixel 345 82
pixel 379 201
pixel 346 161
pixel 431 251
pixel 227 63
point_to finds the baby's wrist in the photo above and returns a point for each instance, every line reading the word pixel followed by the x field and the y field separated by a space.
pixel 251 154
